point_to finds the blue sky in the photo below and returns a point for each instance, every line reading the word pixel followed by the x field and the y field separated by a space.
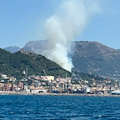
pixel 23 20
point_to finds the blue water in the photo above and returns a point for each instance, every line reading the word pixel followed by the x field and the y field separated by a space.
pixel 18 107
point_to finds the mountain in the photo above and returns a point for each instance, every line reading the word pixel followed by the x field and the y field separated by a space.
pixel 14 64
pixel 96 58
pixel 12 49
pixel 36 46
pixel 89 57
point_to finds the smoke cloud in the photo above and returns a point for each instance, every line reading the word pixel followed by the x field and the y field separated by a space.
pixel 62 28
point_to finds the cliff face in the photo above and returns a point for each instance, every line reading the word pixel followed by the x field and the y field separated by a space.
pixel 89 57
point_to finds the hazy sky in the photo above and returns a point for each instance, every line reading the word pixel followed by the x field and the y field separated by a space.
pixel 23 20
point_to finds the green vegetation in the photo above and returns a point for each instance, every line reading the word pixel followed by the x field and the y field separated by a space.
pixel 15 64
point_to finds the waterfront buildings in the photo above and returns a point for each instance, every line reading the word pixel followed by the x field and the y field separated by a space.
pixel 38 84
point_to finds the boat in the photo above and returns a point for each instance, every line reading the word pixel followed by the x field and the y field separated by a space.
pixel 115 92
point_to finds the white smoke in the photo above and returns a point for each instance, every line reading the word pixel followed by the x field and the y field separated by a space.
pixel 62 28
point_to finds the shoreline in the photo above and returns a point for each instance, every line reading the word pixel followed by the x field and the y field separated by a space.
pixel 56 94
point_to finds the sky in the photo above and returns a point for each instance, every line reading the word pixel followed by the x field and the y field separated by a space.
pixel 22 21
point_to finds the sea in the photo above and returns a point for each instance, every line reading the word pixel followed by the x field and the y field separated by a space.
pixel 38 107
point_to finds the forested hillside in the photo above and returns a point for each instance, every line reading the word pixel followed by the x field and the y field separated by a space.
pixel 15 64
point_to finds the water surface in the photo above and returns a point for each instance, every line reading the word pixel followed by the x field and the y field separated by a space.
pixel 22 107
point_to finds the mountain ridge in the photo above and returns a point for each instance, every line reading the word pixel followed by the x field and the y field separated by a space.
pixel 12 49
pixel 88 56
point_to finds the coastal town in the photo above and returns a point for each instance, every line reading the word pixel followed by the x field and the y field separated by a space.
pixel 49 84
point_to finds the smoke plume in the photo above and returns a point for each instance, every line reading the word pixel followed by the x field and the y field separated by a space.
pixel 62 28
